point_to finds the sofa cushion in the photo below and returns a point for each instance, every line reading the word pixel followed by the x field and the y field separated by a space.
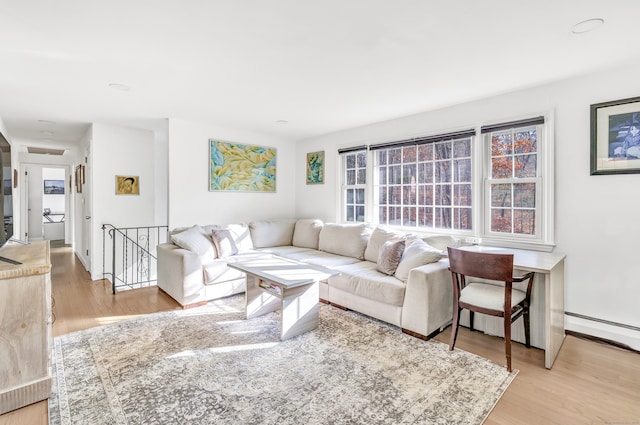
pixel 321 258
pixel 195 239
pixel 417 253
pixel 390 255
pixel 307 233
pixel 344 239
pixel 272 233
pixel 364 280
pixel 378 238
pixel 224 243
pixel 285 251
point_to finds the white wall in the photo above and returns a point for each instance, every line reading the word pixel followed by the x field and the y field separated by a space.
pixel 190 201
pixel 119 151
pixel 596 216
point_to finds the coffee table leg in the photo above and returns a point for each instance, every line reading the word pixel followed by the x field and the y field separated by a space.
pixel 299 310
pixel 258 302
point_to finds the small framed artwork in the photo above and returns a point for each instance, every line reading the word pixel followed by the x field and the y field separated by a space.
pixel 615 137
pixel 127 185
pixel 315 167
pixel 54 187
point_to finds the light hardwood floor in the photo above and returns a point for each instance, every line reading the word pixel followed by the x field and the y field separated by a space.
pixel 590 383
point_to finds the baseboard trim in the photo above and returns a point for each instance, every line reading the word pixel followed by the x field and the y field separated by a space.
pixel 616 334
pixel 606 341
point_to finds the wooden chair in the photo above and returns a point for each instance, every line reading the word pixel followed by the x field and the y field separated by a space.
pixel 488 298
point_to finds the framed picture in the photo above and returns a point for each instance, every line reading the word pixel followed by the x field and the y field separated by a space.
pixel 241 168
pixel 615 137
pixel 315 167
pixel 54 187
pixel 127 185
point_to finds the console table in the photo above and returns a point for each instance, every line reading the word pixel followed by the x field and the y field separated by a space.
pixel 25 326
pixel 547 300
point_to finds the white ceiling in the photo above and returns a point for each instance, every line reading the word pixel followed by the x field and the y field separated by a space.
pixel 322 65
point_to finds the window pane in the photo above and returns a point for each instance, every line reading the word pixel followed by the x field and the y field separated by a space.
pixel 524 222
pixel 501 220
pixel 351 177
pixel 395 156
pixel 382 175
pixel 395 195
pixel 350 213
pixel 462 218
pixel 526 141
pixel 395 216
pixel 524 195
pixel 425 152
pixel 462 195
pixel 500 195
pixel 360 213
pixel 409 195
pixel 362 176
pixel 382 215
pixel 442 150
pixel 501 167
pixel 501 144
pixel 443 218
pixel 382 193
pixel 425 217
pixel 462 170
pixel 409 216
pixel 425 172
pixel 409 174
pixel 351 161
pixel 350 196
pixel 359 196
pixel 409 154
pixel 362 159
pixel 382 157
pixel 462 148
pixel 425 194
pixel 443 171
pixel 395 174
pixel 525 165
pixel 443 194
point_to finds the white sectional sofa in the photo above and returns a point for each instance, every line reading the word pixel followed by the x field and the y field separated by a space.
pixel 398 278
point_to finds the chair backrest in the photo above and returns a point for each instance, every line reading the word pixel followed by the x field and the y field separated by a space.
pixel 481 264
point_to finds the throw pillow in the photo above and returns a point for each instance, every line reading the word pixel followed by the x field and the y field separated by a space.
pixel 223 240
pixel 415 255
pixel 390 255
pixel 378 238
pixel 196 240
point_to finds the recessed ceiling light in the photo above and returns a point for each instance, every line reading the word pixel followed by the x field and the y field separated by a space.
pixel 282 122
pixel 588 25
pixel 121 87
pixel 47 122
pixel 47 132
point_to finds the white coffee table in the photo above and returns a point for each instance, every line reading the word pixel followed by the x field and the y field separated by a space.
pixel 277 283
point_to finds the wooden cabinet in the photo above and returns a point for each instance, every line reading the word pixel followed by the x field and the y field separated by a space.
pixel 25 326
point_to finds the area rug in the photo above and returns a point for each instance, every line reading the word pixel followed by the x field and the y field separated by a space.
pixel 208 365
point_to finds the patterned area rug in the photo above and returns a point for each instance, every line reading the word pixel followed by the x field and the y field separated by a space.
pixel 209 366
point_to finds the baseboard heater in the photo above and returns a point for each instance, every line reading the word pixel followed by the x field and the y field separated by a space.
pixel 599 339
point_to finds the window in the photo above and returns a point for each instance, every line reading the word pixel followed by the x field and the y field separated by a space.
pixel 426 185
pixel 498 187
pixel 354 161
pixel 513 181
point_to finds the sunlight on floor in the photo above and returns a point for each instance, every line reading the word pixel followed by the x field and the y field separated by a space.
pixel 229 349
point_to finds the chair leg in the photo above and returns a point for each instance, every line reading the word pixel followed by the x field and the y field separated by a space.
pixel 471 320
pixel 454 326
pixel 527 329
pixel 507 340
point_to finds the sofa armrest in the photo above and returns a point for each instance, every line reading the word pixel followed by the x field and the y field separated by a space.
pixel 428 299
pixel 180 274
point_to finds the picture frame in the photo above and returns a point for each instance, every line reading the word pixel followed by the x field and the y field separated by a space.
pixel 615 137
pixel 127 185
pixel 78 178
pixel 315 167
pixel 54 187
pixel 238 167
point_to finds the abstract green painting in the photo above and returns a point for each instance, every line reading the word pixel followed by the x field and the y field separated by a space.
pixel 315 167
pixel 241 168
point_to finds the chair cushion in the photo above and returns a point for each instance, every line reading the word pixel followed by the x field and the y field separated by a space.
pixel 489 296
